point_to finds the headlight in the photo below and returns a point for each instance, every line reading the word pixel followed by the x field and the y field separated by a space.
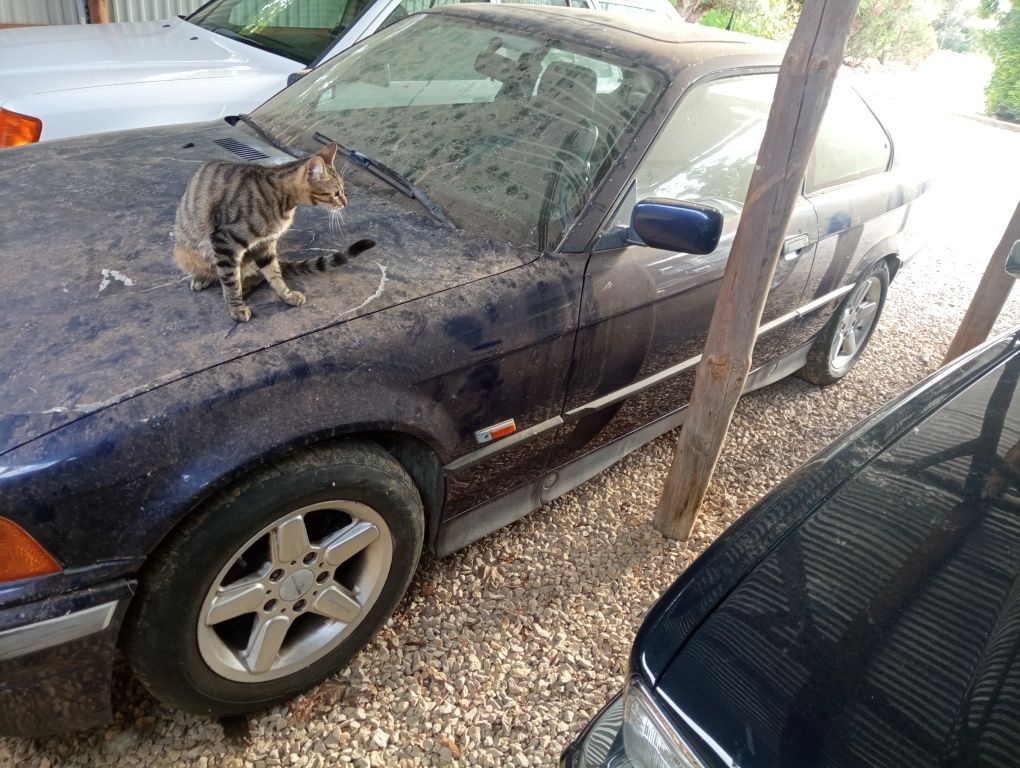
pixel 18 129
pixel 649 739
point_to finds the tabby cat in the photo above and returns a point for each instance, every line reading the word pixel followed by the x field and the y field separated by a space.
pixel 232 214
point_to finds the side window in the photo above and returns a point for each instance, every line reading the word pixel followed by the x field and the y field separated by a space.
pixel 707 149
pixel 851 143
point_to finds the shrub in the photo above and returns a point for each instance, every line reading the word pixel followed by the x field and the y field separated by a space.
pixel 1003 91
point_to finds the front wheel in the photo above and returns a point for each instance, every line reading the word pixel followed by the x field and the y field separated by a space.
pixel 276 583
pixel 848 332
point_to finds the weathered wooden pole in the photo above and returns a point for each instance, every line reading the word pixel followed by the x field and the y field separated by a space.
pixel 805 82
pixel 99 12
pixel 990 297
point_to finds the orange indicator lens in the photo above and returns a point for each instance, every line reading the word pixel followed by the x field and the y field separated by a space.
pixel 21 556
pixel 503 430
pixel 16 129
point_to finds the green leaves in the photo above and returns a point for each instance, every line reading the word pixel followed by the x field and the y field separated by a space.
pixel 1003 91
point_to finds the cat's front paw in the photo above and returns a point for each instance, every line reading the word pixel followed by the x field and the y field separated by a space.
pixel 201 283
pixel 294 298
pixel 241 314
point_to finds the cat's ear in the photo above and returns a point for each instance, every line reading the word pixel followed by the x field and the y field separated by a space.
pixel 328 153
pixel 315 168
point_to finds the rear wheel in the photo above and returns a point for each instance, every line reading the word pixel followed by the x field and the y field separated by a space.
pixel 276 583
pixel 848 332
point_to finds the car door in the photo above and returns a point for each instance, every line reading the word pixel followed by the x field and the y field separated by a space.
pixel 857 200
pixel 645 312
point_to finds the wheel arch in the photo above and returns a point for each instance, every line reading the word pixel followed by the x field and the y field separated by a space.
pixel 413 452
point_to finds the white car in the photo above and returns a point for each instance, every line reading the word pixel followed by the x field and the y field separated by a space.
pixel 225 58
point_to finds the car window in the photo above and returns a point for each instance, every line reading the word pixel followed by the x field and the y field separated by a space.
pixel 707 150
pixel 509 133
pixel 631 10
pixel 558 3
pixel 851 143
pixel 609 77
pixel 297 29
pixel 407 7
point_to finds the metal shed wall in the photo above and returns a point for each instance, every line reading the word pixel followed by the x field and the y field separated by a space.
pixel 73 11
pixel 149 10
pixel 39 12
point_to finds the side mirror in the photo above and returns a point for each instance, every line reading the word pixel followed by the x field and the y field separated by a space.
pixel 676 225
pixel 293 77
pixel 1013 260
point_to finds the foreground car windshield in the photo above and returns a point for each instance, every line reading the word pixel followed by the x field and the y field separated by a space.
pixel 297 29
pixel 508 132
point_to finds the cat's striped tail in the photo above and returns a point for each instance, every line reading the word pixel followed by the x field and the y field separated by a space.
pixel 325 263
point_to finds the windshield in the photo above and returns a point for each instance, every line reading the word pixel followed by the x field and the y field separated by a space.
pixel 509 132
pixel 297 29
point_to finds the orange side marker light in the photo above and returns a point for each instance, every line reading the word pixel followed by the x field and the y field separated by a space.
pixel 21 556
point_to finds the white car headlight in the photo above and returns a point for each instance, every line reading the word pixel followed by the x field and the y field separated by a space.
pixel 649 739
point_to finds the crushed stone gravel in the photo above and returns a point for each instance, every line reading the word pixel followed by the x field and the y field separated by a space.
pixel 500 653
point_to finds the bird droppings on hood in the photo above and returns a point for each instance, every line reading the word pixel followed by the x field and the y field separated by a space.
pixel 378 292
pixel 112 274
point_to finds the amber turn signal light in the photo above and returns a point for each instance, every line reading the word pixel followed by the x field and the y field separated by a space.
pixel 18 129
pixel 21 556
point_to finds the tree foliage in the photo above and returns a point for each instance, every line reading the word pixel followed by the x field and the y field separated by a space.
pixel 900 29
pixel 1003 92
pixel 952 26
pixel 773 19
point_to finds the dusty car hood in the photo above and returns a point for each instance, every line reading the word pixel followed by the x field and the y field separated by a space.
pixel 37 60
pixel 96 311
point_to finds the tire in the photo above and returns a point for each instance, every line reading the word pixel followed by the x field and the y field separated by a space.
pixel 840 345
pixel 276 583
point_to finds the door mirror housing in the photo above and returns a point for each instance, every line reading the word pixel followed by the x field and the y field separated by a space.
pixel 677 225
pixel 293 77
pixel 1013 260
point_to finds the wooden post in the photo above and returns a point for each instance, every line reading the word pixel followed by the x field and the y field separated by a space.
pixel 805 82
pixel 990 297
pixel 99 12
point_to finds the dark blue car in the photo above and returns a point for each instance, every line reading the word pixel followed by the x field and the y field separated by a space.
pixel 238 508
pixel 865 613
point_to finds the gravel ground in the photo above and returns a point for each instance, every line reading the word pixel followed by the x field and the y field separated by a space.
pixel 500 653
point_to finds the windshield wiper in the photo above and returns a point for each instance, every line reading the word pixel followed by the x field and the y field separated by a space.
pixel 394 178
pixel 266 136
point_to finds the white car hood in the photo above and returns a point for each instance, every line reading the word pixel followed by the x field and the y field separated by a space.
pixel 65 58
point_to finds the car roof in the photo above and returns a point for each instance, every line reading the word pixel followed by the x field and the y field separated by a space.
pixel 668 47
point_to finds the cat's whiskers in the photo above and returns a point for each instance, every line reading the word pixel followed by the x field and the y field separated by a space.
pixel 335 220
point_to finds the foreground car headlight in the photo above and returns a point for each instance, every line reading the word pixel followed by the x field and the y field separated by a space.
pixel 649 739
pixel 630 732
pixel 16 129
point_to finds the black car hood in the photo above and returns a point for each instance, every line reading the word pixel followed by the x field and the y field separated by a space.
pixel 96 310
pixel 885 629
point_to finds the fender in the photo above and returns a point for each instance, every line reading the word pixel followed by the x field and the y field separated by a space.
pixel 195 444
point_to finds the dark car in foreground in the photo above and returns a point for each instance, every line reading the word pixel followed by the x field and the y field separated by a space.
pixel 865 613
pixel 239 508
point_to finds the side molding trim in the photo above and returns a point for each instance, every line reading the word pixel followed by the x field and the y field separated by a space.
pixel 480 455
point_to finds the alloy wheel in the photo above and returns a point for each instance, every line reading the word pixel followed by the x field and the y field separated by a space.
pixel 855 323
pixel 294 591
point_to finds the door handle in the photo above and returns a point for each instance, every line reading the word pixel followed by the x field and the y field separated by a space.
pixel 793 245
